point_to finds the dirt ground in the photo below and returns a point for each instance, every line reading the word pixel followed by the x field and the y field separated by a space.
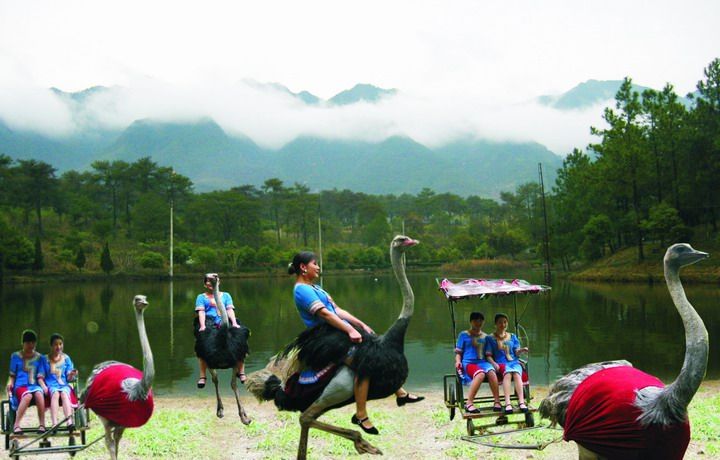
pixel 414 431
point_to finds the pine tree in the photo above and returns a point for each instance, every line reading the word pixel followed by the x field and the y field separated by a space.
pixel 80 259
pixel 39 262
pixel 106 263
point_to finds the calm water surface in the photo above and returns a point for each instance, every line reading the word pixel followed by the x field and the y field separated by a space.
pixel 573 325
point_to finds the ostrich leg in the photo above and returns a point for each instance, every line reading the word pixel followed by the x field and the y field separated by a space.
pixel 338 391
pixel 117 435
pixel 109 441
pixel 233 384
pixel 308 419
pixel 220 407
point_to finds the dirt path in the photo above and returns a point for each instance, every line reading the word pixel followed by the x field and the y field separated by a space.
pixel 187 428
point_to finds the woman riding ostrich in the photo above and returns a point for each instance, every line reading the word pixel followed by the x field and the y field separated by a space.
pixel 120 395
pixel 323 349
pixel 222 346
pixel 613 410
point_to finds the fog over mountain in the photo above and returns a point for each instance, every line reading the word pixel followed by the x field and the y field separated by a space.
pixel 247 132
pixel 272 115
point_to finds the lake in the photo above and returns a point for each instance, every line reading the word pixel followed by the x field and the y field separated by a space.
pixel 575 324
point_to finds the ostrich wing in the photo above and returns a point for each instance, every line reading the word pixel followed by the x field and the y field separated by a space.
pixel 221 347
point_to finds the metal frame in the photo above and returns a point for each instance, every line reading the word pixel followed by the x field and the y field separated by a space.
pixel 44 446
pixel 454 391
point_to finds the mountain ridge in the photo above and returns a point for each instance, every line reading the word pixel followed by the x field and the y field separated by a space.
pixel 213 159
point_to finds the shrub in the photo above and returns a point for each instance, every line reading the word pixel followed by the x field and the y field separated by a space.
pixel 151 259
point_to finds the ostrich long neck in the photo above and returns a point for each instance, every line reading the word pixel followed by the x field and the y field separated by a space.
pixel 145 384
pixel 398 264
pixel 396 333
pixel 696 344
pixel 221 306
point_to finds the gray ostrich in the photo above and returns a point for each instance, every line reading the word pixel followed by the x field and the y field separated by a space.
pixel 378 358
pixel 120 395
pixel 221 348
pixel 613 410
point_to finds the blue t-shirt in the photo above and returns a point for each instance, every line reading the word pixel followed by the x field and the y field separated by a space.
pixel 503 351
pixel 207 302
pixel 308 300
pixel 27 371
pixel 472 350
pixel 56 373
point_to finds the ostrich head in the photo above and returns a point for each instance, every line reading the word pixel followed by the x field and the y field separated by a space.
pixel 403 243
pixel 682 254
pixel 214 280
pixel 140 303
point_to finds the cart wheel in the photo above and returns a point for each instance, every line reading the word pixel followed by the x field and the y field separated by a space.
pixel 45 443
pixel 453 401
pixel 71 442
pixel 10 419
pixel 470 427
pixel 529 419
pixel 502 420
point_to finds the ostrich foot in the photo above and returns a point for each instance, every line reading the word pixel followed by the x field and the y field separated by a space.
pixel 243 417
pixel 220 412
pixel 364 447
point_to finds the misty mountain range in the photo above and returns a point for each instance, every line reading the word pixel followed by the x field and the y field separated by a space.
pixel 212 159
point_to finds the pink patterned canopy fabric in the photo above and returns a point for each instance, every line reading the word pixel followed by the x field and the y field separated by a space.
pixel 481 287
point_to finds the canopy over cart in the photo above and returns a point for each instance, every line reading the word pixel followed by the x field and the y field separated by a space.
pixel 455 290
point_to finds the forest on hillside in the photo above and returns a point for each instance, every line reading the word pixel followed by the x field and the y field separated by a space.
pixel 648 180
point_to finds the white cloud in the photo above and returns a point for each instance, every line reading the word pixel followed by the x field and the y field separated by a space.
pixel 462 67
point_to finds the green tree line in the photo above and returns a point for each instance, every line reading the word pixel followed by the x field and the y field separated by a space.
pixel 650 177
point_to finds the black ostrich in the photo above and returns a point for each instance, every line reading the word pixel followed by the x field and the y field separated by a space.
pixel 221 348
pixel 615 411
pixel 378 358
pixel 120 395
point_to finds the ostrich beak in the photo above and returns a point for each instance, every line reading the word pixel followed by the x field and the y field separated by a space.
pixel 699 255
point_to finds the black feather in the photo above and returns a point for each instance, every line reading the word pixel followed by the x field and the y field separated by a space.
pixel 222 347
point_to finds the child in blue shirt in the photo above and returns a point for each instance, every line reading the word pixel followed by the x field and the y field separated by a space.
pixel 504 348
pixel 60 372
pixel 470 359
pixel 208 314
pixel 27 381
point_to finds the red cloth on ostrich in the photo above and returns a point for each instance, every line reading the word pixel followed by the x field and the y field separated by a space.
pixel 601 416
pixel 107 399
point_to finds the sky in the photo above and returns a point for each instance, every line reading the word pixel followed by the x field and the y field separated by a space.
pixel 461 67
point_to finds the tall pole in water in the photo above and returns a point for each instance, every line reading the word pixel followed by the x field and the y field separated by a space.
pixel 172 205
pixel 546 242
pixel 171 237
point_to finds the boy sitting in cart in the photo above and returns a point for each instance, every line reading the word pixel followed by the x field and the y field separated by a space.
pixel 471 365
pixel 27 381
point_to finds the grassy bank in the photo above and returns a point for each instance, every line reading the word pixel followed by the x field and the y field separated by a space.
pixel 623 266
pixel 187 428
